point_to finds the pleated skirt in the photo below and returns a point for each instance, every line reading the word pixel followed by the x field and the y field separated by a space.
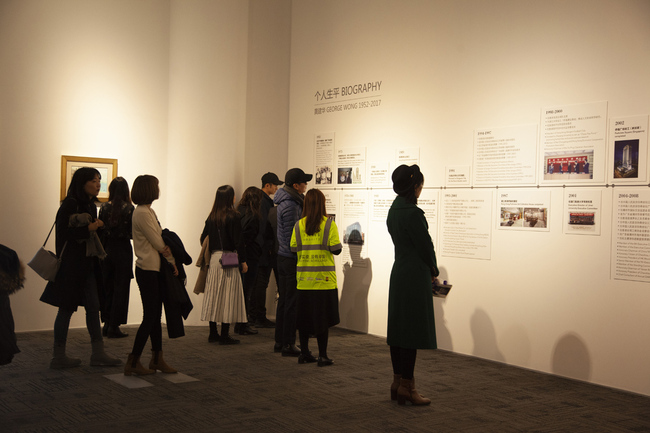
pixel 223 299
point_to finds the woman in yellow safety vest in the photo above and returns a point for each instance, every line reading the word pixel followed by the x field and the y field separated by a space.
pixel 315 239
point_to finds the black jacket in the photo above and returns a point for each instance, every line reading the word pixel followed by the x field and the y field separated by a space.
pixel 67 290
pixel 176 300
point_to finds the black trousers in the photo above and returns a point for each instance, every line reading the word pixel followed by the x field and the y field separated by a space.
pixel 258 294
pixel 151 285
pixel 285 316
pixel 248 282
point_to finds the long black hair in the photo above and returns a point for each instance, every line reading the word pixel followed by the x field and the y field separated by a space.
pixel 223 205
pixel 118 195
pixel 77 186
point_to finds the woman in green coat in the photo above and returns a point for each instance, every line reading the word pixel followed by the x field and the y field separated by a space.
pixel 410 304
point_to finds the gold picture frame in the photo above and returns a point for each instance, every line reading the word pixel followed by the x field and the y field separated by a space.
pixel 107 167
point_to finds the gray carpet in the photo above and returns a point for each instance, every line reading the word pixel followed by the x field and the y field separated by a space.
pixel 247 387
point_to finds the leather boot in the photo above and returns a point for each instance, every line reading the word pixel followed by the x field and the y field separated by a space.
pixel 61 360
pixel 158 363
pixel 100 358
pixel 133 366
pixel 394 386
pixel 406 391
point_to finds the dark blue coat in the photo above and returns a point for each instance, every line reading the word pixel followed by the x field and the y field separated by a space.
pixel 289 211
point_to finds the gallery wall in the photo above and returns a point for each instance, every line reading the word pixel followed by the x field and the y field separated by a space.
pixel 542 300
pixel 161 86
pixel 195 92
pixel 83 79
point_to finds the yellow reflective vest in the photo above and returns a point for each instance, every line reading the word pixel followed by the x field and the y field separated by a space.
pixel 316 269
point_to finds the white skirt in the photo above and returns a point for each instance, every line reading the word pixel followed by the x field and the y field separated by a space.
pixel 223 299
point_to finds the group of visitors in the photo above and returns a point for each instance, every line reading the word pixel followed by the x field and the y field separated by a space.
pixel 244 241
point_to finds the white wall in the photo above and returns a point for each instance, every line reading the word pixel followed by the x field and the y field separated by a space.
pixel 84 78
pixel 544 301
pixel 163 86
pixel 194 92
pixel 229 63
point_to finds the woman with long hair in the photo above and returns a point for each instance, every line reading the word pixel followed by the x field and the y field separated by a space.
pixel 315 239
pixel 118 265
pixel 411 323
pixel 79 275
pixel 149 246
pixel 223 299
pixel 249 209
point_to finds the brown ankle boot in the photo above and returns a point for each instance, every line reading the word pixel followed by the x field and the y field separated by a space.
pixel 158 363
pixel 394 386
pixel 406 391
pixel 133 366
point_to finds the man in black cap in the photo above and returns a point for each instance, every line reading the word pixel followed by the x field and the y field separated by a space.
pixel 290 200
pixel 267 239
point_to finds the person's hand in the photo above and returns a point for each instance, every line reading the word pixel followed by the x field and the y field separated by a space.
pixel 244 268
pixel 175 270
pixel 92 227
pixel 99 222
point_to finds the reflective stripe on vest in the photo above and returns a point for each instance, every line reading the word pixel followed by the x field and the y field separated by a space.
pixel 322 272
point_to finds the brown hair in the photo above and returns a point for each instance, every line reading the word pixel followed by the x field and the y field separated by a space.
pixel 145 189
pixel 314 210
pixel 251 200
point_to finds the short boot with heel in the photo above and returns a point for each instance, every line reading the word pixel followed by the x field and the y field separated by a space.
pixel 406 392
pixel 394 386
pixel 158 363
pixel 133 366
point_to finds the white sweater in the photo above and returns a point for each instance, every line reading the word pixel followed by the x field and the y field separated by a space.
pixel 147 239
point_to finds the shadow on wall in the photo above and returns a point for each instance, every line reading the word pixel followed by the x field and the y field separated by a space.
pixel 353 305
pixel 571 358
pixel 442 332
pixel 485 340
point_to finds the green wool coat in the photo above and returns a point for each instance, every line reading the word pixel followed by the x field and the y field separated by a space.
pixel 410 300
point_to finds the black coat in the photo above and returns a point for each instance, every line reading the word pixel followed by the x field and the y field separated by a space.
pixel 67 291
pixel 175 298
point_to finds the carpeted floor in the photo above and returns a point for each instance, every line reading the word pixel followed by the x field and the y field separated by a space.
pixel 247 387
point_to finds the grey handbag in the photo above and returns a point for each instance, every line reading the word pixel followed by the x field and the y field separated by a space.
pixel 45 263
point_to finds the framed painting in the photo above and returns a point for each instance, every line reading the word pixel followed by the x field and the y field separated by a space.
pixel 107 168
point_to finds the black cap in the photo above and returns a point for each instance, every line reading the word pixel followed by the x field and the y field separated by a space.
pixel 296 175
pixel 271 178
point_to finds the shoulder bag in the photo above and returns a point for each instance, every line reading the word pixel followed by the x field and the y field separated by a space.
pixel 228 259
pixel 45 263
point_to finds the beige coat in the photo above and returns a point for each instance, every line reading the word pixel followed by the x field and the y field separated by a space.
pixel 203 262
